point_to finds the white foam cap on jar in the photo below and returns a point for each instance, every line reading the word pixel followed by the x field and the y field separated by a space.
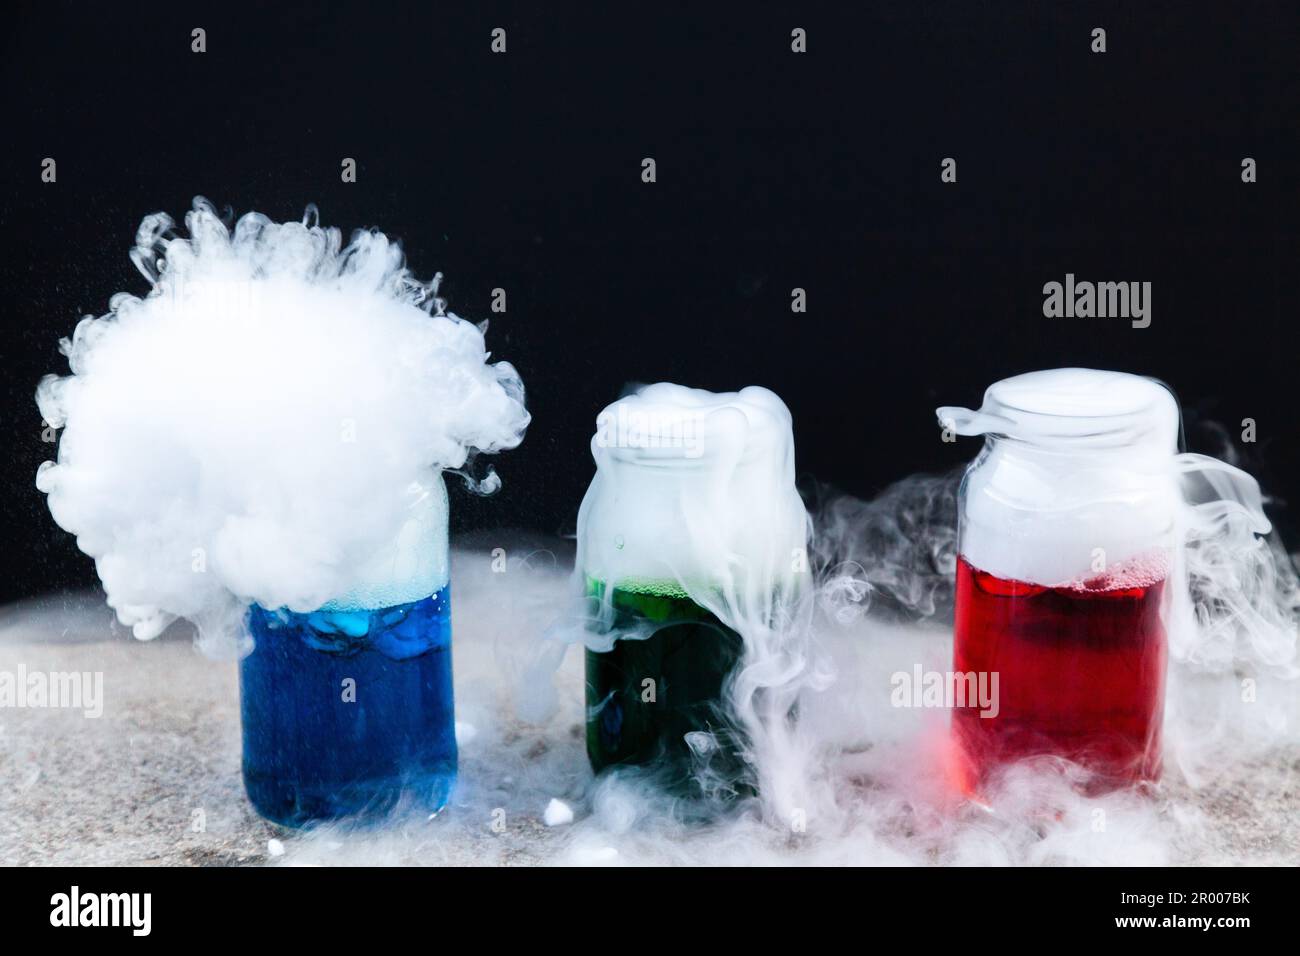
pixel 1088 475
pixel 693 489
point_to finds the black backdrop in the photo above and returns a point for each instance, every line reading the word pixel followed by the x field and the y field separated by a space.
pixel 775 170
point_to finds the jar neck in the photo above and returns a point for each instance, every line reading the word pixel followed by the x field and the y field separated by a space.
pixel 1145 454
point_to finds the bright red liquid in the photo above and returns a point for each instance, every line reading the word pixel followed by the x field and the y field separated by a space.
pixel 1081 674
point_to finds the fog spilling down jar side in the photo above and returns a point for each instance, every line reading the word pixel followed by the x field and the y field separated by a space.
pixel 1068 525
pixel 348 709
pixel 687 530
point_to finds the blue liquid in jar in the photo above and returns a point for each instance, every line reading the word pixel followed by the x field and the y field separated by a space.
pixel 313 750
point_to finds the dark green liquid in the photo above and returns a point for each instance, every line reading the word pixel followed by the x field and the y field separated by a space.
pixel 688 658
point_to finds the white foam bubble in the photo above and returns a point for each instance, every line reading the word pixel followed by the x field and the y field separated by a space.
pixel 1139 572
pixel 268 424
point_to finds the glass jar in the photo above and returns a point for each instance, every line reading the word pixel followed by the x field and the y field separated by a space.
pixel 347 709
pixel 690 528
pixel 1068 537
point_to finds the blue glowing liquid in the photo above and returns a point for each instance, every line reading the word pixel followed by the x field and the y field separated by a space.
pixel 310 752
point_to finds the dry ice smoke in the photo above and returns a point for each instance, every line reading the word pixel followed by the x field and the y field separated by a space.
pixel 259 426
pixel 1229 792
pixel 895 554
pixel 694 495
pixel 881 797
pixel 1105 472
pixel 858 780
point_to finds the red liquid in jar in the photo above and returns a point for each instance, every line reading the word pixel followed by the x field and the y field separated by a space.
pixel 1081 672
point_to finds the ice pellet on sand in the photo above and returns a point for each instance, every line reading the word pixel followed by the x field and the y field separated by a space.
pixel 558 813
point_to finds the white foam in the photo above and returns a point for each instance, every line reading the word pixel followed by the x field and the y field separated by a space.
pixel 268 424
